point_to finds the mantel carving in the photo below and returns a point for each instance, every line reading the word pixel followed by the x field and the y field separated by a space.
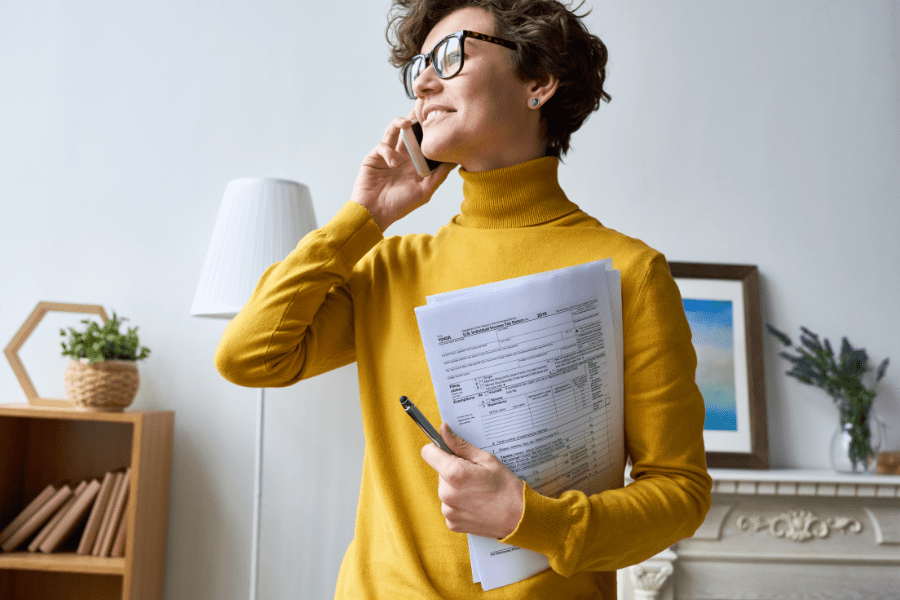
pixel 648 578
pixel 798 525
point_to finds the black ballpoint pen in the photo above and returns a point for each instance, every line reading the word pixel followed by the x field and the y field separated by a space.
pixel 417 416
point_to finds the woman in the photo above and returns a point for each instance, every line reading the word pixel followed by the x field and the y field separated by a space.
pixel 516 79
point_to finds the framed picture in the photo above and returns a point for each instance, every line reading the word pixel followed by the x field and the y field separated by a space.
pixel 722 306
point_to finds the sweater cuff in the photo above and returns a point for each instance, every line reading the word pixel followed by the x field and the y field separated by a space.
pixel 355 226
pixel 543 520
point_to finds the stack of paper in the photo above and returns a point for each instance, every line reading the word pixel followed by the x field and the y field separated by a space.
pixel 530 369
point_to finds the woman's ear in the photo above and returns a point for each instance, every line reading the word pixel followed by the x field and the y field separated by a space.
pixel 541 90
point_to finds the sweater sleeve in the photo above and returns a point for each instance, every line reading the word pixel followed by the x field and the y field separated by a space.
pixel 664 415
pixel 299 320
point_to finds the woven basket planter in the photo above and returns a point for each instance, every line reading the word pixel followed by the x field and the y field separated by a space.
pixel 107 386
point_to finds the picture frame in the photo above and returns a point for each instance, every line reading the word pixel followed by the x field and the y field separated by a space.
pixel 722 303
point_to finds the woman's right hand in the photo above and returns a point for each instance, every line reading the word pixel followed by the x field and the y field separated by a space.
pixel 388 185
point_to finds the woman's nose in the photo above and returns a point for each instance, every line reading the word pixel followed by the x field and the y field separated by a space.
pixel 427 82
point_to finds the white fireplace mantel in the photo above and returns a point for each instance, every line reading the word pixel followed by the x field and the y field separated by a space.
pixel 783 533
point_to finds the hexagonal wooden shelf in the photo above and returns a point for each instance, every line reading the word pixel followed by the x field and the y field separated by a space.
pixel 12 350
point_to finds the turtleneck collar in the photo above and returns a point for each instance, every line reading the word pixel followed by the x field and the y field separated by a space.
pixel 518 196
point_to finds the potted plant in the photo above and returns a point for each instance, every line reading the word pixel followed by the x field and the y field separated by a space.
pixel 102 374
pixel 855 444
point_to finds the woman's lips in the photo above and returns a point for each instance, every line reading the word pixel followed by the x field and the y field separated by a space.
pixel 436 113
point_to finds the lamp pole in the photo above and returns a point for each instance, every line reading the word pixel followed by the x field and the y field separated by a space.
pixel 257 495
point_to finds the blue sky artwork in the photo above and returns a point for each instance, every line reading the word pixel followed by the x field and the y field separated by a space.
pixel 712 325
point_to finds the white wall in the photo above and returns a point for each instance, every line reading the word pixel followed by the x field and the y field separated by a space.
pixel 762 132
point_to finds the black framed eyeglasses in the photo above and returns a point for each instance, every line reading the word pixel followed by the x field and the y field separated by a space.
pixel 446 57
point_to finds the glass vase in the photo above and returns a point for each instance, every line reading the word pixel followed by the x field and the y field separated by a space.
pixel 855 444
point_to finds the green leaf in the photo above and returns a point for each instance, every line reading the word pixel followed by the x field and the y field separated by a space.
pixel 857 362
pixel 813 362
pixel 846 349
pixel 808 332
pixel 782 337
pixel 807 375
pixel 851 383
pixel 811 341
pixel 789 357
pixel 881 370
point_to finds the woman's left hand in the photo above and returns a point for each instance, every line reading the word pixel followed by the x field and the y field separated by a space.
pixel 478 493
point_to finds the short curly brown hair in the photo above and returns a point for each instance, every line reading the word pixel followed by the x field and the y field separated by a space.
pixel 551 38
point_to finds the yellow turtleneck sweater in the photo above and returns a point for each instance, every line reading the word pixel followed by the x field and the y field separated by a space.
pixel 346 293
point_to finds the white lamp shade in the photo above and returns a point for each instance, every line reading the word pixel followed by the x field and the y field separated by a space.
pixel 259 223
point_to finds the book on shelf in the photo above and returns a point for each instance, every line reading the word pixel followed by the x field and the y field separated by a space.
pixel 118 508
pixel 57 516
pixel 23 516
pixel 86 545
pixel 40 517
pixel 72 518
pixel 93 514
pixel 107 512
pixel 118 547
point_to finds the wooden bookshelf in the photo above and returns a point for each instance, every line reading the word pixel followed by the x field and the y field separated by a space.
pixel 41 446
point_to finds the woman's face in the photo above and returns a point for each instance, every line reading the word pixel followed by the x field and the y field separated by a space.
pixel 485 121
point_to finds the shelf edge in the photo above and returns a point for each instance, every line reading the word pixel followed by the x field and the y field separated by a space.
pixel 62 562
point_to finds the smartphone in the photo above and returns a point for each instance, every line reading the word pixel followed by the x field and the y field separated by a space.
pixel 416 415
pixel 424 166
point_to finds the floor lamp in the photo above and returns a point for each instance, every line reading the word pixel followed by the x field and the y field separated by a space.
pixel 259 222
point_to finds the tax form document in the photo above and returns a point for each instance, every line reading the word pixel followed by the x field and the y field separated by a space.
pixel 530 369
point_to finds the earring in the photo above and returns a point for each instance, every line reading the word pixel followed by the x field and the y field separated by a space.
pixel 535 102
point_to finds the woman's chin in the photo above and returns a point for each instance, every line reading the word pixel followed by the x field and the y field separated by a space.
pixel 442 150
pixel 438 154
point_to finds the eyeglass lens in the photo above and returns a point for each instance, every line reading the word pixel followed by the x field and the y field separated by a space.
pixel 446 58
